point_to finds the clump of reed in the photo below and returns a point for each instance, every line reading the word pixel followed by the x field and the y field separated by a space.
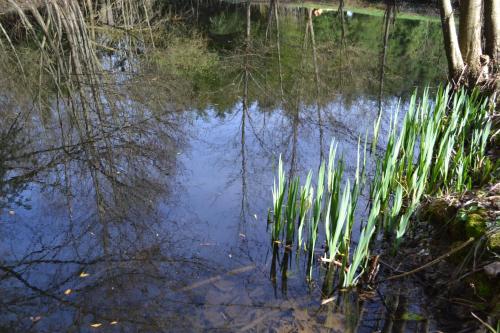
pixel 333 204
pixel 439 147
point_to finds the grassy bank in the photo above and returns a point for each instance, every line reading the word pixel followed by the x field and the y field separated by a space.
pixel 358 7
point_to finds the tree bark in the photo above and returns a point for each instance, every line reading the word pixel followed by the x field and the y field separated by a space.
pixel 451 45
pixel 470 35
pixel 492 30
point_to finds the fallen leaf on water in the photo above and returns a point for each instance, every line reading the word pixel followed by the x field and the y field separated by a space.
pixel 412 316
pixel 96 325
pixel 114 322
pixel 328 300
pixel 67 291
pixel 83 274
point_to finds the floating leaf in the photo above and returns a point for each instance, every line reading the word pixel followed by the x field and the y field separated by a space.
pixel 83 274
pixel 412 316
pixel 67 291
pixel 96 325
pixel 328 300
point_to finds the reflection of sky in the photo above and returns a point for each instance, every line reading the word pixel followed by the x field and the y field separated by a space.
pixel 201 218
pixel 213 176
pixel 208 203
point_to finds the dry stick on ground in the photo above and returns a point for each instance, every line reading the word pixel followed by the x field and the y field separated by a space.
pixel 433 262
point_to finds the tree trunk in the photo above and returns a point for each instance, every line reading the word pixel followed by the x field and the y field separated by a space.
pixel 453 54
pixel 470 36
pixel 492 30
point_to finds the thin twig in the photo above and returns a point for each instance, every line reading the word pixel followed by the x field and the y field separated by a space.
pixel 433 262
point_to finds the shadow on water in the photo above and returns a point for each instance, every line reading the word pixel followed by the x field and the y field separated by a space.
pixel 138 147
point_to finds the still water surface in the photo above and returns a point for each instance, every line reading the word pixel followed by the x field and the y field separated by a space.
pixel 156 220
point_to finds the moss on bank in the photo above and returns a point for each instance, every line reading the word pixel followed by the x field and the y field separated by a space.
pixel 473 214
pixel 494 242
pixel 473 222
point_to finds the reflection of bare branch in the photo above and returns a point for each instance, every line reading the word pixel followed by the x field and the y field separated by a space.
pixel 27 284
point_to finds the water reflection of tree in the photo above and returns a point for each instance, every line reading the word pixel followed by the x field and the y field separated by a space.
pixel 106 238
pixel 102 152
pixel 11 144
pixel 356 40
pixel 110 161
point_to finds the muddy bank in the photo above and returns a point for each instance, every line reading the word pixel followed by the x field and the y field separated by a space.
pixel 469 280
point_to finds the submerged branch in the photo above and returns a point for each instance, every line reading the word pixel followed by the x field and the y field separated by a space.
pixel 431 263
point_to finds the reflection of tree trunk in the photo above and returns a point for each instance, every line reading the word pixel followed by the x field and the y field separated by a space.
pixel 272 3
pixel 278 46
pixel 273 11
pixel 101 210
pixel 388 20
pixel 342 21
pixel 453 54
pixel 295 110
pixel 249 14
pixel 492 29
pixel 470 35
pixel 295 132
pixel 313 44
pixel 243 116
pixel 243 163
pixel 243 152
pixel 343 44
pixel 316 76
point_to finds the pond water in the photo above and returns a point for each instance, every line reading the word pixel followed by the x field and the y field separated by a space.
pixel 153 218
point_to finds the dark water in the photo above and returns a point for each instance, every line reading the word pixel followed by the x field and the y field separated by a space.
pixel 154 218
